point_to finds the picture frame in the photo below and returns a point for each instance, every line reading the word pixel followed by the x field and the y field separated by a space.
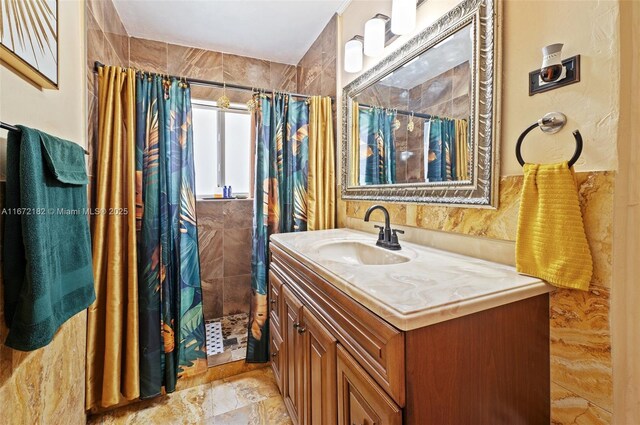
pixel 29 40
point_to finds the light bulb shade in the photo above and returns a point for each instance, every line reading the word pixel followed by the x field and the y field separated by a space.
pixel 374 34
pixel 353 56
pixel 403 16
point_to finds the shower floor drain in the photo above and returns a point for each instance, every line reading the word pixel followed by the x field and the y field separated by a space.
pixel 215 341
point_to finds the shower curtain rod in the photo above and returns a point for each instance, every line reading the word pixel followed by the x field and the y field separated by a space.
pixel 199 82
pixel 398 111
pixel 9 127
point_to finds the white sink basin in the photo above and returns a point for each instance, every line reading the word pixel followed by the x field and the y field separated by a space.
pixel 352 252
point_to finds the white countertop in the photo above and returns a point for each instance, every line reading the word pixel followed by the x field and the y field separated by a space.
pixel 434 286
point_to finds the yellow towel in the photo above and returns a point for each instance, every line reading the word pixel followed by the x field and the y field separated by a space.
pixel 551 243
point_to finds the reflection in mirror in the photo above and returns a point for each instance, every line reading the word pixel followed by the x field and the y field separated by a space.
pixel 412 125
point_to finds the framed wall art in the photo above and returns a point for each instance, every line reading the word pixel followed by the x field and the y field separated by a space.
pixel 29 39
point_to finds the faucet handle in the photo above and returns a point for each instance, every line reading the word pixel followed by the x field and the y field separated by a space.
pixel 394 236
pixel 381 234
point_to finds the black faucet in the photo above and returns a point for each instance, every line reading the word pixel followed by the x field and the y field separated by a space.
pixel 387 238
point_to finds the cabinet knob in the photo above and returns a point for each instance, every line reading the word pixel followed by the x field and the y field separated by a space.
pixel 296 325
pixel 301 330
pixel 274 354
pixel 273 301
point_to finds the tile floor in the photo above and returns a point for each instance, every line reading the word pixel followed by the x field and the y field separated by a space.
pixel 234 339
pixel 246 399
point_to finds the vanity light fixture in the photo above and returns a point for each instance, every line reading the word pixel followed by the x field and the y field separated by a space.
pixel 403 16
pixel 374 35
pixel 353 54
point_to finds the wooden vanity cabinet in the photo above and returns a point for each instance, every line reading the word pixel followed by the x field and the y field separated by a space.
pixel 338 363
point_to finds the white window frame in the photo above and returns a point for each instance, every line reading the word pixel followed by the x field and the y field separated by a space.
pixel 234 108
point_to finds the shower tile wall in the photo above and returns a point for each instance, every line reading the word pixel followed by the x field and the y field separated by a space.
pixel 316 72
pixel 224 233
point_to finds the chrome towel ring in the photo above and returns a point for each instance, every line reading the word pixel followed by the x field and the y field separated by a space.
pixel 550 123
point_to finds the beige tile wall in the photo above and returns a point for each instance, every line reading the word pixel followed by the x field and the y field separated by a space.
pixel 224 232
pixel 316 73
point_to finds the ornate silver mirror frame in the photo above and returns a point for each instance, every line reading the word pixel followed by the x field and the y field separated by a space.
pixel 482 189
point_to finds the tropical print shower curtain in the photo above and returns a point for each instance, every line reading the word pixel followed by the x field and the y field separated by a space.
pixel 448 152
pixel 280 202
pixel 377 131
pixel 172 333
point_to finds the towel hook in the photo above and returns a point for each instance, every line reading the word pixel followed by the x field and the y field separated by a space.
pixel 551 123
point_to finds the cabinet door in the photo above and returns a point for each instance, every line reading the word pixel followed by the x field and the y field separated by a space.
pixel 275 308
pixel 293 355
pixel 361 401
pixel 319 368
pixel 277 360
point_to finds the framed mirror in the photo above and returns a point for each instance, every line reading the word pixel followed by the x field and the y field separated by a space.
pixel 423 124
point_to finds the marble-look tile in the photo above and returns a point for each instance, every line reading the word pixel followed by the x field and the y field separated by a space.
pixel 238 214
pixel 148 55
pixel 211 239
pixel 397 212
pixel 46 385
pixel 237 294
pixel 568 408
pixel 283 77
pixel 311 65
pixel 415 98
pixel 219 372
pixel 415 167
pixel 243 390
pixel 211 247
pixel 437 90
pixel 210 214
pixel 120 45
pixel 112 22
pixel 212 297
pixel 398 98
pixel 206 93
pixel 92 133
pixel 96 8
pixel 460 107
pixel 271 411
pixel 246 71
pixel 188 406
pixel 328 39
pixel 415 139
pixel 461 80
pixel 313 88
pixel 497 224
pixel 328 80
pixel 596 199
pixel 237 249
pixel 442 109
pixel 194 63
pixel 581 344
pixel 95 47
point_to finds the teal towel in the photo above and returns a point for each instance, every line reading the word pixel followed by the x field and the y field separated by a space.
pixel 48 273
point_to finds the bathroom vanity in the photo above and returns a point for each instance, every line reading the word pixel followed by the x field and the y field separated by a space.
pixel 361 335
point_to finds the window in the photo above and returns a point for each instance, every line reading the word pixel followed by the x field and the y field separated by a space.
pixel 222 148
